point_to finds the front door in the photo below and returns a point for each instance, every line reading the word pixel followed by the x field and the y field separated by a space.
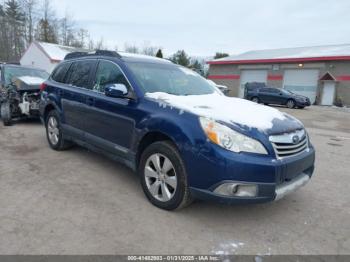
pixel 328 93
pixel 110 123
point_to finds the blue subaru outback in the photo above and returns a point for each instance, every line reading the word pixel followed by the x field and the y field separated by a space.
pixel 182 136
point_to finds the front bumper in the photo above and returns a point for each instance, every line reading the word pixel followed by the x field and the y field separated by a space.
pixel 274 179
pixel 303 103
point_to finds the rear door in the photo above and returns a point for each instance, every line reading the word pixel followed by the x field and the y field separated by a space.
pixel 110 121
pixel 75 93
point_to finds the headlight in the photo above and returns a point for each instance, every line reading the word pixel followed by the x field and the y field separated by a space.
pixel 230 139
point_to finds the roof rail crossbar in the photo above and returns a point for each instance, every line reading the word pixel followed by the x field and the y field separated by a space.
pixel 94 53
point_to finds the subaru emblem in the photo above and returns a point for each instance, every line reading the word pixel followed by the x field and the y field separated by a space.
pixel 296 139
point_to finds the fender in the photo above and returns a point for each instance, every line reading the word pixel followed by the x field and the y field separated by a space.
pixel 180 135
pixel 49 100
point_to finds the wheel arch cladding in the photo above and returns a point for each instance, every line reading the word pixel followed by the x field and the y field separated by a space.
pixel 150 138
pixel 160 129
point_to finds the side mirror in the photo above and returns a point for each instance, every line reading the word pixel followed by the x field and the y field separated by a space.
pixel 116 90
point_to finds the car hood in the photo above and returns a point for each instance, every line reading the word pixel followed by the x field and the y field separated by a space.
pixel 230 110
pixel 299 96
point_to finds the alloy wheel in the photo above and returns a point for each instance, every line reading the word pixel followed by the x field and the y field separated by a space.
pixel 290 104
pixel 161 178
pixel 53 131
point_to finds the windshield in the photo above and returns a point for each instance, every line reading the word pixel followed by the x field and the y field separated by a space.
pixel 13 72
pixel 170 79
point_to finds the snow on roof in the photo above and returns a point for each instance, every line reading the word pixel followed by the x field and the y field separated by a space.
pixel 330 51
pixel 57 52
pixel 140 56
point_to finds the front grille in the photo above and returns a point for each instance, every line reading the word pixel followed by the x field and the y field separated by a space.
pixel 290 144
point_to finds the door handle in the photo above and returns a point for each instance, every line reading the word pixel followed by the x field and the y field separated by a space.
pixel 90 101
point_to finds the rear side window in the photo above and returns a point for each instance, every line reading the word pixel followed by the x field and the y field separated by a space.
pixel 80 73
pixel 60 72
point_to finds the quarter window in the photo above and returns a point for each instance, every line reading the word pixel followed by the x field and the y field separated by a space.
pixel 80 73
pixel 108 74
pixel 60 72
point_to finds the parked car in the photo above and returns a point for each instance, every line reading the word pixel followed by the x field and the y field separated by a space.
pixel 19 91
pixel 184 139
pixel 222 88
pixel 260 93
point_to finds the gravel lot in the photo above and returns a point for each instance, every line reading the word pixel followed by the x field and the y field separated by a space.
pixel 78 202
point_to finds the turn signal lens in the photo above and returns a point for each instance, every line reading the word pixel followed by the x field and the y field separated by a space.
pixel 43 87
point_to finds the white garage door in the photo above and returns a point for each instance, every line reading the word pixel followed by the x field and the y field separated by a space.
pixel 249 76
pixel 302 81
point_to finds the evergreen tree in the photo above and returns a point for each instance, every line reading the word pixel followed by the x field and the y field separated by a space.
pixel 220 55
pixel 181 58
pixel 14 20
pixel 46 32
pixel 198 67
pixel 159 53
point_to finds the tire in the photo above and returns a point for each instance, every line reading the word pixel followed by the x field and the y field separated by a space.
pixel 54 132
pixel 290 104
pixel 167 194
pixel 255 99
pixel 6 113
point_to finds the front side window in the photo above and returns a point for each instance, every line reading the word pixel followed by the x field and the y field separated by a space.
pixel 275 91
pixel 80 73
pixel 109 74
pixel 170 78
pixel 265 90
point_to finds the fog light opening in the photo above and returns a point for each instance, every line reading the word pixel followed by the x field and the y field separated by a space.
pixel 237 190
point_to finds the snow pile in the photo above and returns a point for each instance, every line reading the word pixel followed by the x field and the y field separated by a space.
pixel 31 80
pixel 223 108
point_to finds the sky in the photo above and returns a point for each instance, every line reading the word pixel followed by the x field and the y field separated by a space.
pixel 203 27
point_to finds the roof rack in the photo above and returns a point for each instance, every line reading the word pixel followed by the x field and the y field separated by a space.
pixel 94 53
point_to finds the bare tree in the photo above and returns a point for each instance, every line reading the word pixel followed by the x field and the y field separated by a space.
pixel 131 48
pixel 29 9
pixel 67 35
pixel 150 50
pixel 100 45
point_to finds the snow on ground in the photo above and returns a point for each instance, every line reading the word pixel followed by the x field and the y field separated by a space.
pixel 31 80
pixel 218 107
